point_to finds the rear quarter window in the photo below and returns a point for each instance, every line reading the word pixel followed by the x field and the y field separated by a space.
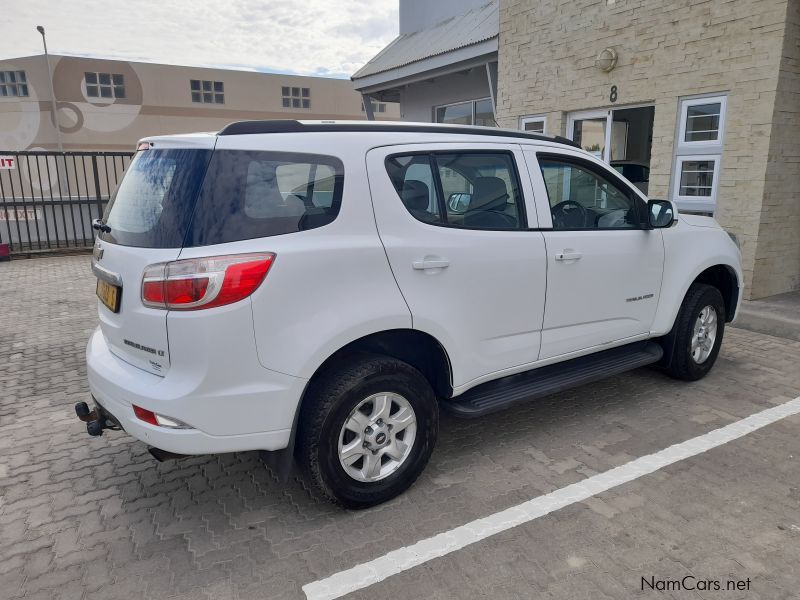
pixel 253 194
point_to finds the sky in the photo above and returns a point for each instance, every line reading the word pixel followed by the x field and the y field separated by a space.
pixel 329 38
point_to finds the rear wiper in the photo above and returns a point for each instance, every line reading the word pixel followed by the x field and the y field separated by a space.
pixel 100 225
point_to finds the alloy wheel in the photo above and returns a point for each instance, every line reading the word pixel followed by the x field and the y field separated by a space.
pixel 704 335
pixel 377 437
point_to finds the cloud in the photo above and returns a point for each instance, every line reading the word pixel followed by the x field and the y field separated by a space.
pixel 332 38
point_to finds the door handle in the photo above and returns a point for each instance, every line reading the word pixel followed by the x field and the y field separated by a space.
pixel 568 255
pixel 430 263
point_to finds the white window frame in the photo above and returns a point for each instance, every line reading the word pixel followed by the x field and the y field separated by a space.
pixel 688 103
pixel 698 203
pixel 474 103
pixel 377 107
pixel 534 119
pixel 697 150
pixel 583 115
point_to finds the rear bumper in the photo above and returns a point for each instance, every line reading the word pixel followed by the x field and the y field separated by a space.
pixel 253 410
pixel 191 441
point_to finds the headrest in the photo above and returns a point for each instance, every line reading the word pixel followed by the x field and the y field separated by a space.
pixel 294 206
pixel 262 187
pixel 488 193
pixel 415 195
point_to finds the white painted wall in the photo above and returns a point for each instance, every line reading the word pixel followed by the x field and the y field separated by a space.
pixel 417 100
pixel 424 14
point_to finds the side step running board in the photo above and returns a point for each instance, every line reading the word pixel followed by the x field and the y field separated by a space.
pixel 500 394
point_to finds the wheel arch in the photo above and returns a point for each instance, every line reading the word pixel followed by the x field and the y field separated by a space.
pixel 417 348
pixel 716 271
pixel 721 276
pixel 724 278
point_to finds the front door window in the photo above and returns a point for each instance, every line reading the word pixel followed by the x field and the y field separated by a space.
pixel 582 199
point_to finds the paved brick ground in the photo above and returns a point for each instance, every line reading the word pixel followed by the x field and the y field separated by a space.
pixel 98 518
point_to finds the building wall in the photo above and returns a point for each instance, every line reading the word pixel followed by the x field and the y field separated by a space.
pixel 667 49
pixel 158 101
pixel 417 100
pixel 778 247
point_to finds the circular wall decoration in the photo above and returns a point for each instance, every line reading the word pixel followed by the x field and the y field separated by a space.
pixel 70 117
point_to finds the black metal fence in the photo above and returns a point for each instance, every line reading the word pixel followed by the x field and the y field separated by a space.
pixel 49 199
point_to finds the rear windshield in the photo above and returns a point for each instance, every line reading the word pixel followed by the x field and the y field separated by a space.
pixel 174 198
pixel 153 203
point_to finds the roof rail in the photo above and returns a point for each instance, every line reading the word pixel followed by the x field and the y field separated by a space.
pixel 293 126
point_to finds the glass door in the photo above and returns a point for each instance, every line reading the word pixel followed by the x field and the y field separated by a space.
pixel 622 137
pixel 592 130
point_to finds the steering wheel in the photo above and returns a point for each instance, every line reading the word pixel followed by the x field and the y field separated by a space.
pixel 568 215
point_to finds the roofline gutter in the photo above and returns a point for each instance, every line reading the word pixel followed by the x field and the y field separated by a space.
pixel 474 55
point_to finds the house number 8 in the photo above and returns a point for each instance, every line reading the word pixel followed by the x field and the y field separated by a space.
pixel 613 96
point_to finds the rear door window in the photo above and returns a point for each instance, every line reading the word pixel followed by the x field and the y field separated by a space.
pixel 412 177
pixel 474 189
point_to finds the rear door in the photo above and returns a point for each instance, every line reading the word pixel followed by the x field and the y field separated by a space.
pixel 455 225
pixel 148 216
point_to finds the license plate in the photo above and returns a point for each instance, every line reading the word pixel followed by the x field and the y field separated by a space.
pixel 109 294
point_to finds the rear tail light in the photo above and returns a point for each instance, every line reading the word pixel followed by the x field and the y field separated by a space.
pixel 197 283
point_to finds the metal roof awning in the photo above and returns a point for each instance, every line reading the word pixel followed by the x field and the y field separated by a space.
pixel 461 41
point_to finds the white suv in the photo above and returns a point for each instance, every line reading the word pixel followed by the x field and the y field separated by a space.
pixel 319 290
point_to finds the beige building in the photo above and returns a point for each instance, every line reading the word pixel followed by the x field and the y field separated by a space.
pixel 699 101
pixel 722 80
pixel 110 104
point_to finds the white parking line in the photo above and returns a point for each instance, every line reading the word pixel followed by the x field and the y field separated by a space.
pixel 400 560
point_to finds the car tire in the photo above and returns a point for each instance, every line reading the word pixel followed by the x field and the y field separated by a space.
pixel 694 342
pixel 350 400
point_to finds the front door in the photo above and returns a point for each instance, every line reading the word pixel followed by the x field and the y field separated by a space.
pixel 603 267
pixel 592 130
pixel 455 225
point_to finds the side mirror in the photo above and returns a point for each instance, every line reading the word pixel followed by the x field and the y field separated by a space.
pixel 661 213
pixel 459 202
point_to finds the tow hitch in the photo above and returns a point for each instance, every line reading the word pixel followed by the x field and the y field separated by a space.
pixel 96 419
pixel 99 419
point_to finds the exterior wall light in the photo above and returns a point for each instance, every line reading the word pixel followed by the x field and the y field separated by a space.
pixel 606 60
